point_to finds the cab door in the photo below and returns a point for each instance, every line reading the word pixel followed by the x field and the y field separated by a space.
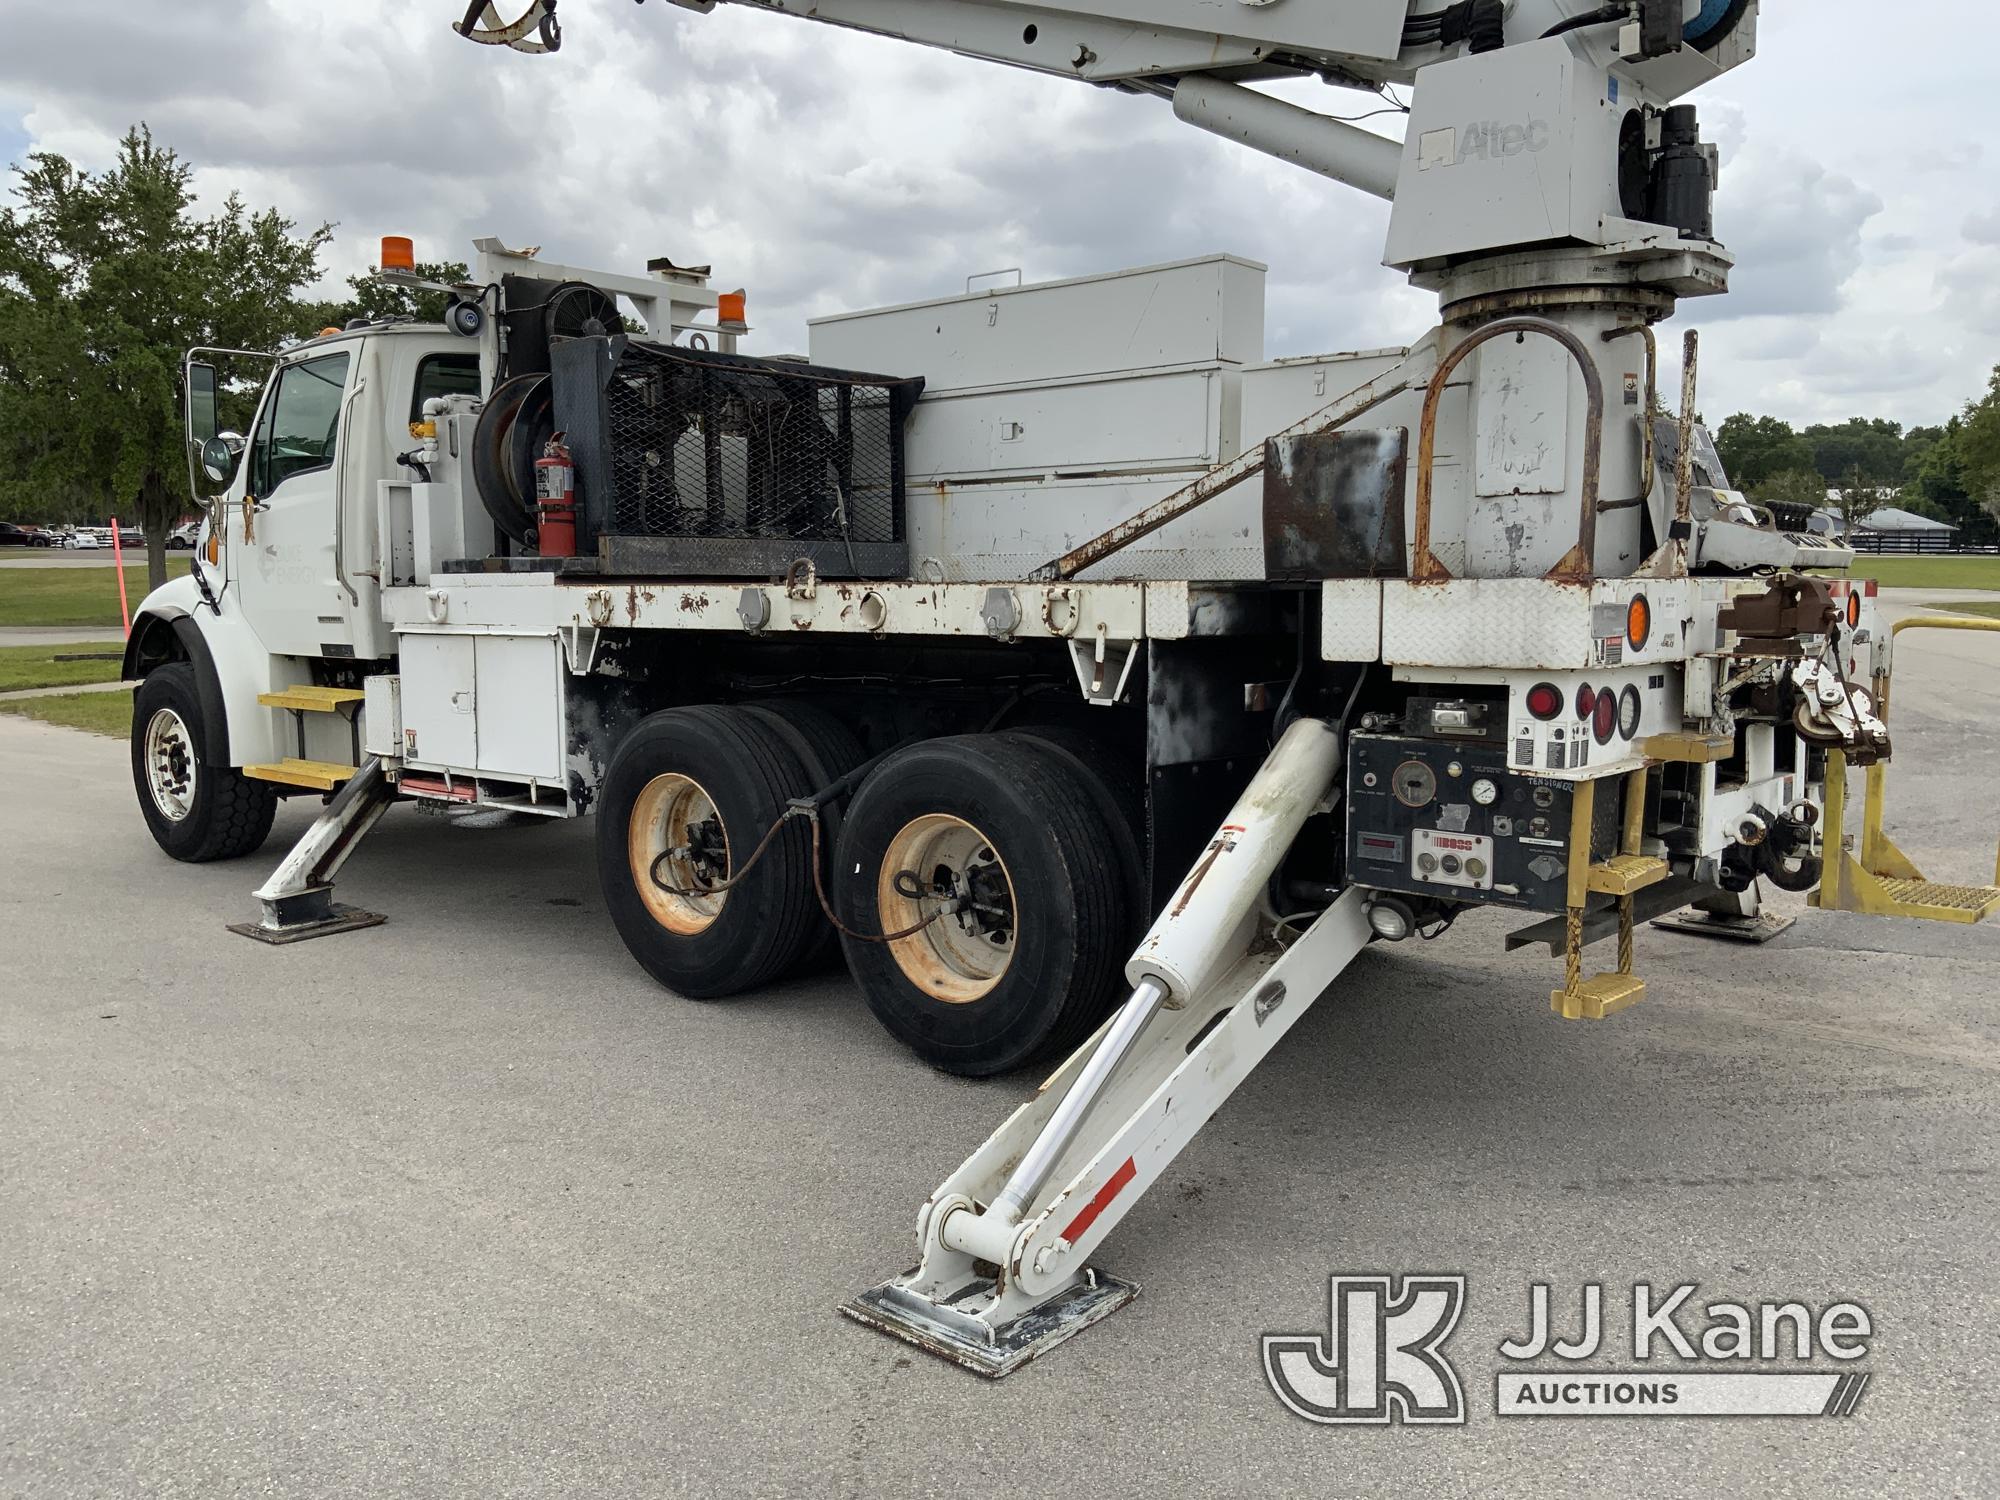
pixel 283 535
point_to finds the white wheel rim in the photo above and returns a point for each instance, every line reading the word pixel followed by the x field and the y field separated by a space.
pixel 171 770
pixel 676 829
pixel 960 956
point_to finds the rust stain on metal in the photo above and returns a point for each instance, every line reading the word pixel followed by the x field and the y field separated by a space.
pixel 1245 465
pixel 1577 564
pixel 632 603
pixel 1333 505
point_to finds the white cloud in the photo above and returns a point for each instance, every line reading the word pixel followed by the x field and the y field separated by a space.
pixel 825 170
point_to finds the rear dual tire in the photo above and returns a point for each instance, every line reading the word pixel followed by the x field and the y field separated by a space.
pixel 984 885
pixel 686 800
pixel 1001 847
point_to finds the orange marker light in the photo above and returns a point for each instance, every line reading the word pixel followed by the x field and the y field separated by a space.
pixel 732 307
pixel 399 253
pixel 1639 622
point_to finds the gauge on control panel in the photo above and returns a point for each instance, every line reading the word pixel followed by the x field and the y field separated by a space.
pixel 1415 784
pixel 1484 792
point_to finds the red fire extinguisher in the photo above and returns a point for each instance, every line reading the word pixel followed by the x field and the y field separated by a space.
pixel 555 500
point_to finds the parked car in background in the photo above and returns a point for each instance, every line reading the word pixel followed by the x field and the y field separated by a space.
pixel 183 537
pixel 15 536
pixel 83 540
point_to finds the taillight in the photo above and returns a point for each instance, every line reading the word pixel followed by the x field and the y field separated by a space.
pixel 1545 700
pixel 1604 716
pixel 1586 702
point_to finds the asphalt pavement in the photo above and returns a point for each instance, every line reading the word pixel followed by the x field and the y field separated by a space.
pixel 466 1205
pixel 64 557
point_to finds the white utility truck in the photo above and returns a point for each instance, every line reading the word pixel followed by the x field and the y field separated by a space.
pixel 1052 646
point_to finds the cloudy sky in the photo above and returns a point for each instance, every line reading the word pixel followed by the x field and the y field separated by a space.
pixel 825 171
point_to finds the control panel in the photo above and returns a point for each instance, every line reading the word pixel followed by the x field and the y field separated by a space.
pixel 1447 819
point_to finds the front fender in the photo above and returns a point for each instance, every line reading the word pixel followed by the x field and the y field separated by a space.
pixel 231 667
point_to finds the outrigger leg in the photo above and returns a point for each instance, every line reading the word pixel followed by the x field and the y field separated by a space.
pixel 1005 1239
pixel 298 898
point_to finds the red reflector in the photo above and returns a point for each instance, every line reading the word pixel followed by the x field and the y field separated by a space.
pixel 1604 716
pixel 1545 700
pixel 1586 702
pixel 1102 1201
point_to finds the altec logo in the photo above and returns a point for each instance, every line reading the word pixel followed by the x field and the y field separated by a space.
pixel 1482 140
pixel 1382 1360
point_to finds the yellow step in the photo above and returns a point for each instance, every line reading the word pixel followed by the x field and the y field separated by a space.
pixel 1626 874
pixel 1933 901
pixel 316 775
pixel 312 700
pixel 1699 749
pixel 1598 998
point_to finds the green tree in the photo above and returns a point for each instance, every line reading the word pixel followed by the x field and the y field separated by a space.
pixel 1753 449
pixel 1958 476
pixel 106 279
pixel 377 300
pixel 1871 448
pixel 1801 486
pixel 1979 443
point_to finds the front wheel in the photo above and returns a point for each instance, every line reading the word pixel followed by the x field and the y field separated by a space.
pixel 196 812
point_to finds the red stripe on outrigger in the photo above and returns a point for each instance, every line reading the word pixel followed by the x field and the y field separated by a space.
pixel 1102 1201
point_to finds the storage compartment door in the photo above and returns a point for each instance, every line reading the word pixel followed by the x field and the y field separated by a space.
pixel 439 701
pixel 520 707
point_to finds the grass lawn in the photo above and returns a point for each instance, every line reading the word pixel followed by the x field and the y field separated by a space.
pixel 77 596
pixel 100 713
pixel 1991 611
pixel 24 667
pixel 1929 572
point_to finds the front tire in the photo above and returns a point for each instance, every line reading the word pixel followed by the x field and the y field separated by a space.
pixel 196 812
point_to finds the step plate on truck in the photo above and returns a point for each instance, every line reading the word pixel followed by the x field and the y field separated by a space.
pixel 966 1341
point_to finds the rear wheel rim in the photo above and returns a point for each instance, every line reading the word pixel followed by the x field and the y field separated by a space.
pixel 676 830
pixel 170 765
pixel 959 956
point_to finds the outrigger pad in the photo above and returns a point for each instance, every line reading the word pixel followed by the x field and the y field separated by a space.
pixel 338 919
pixel 994 1353
pixel 1758 929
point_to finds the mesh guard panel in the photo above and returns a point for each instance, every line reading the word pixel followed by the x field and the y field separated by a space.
pixel 722 465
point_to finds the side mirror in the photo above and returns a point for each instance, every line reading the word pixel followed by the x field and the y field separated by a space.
pixel 202 421
pixel 219 455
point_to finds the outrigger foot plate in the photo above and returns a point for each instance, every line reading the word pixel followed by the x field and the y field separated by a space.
pixel 984 1350
pixel 338 918
pixel 1758 929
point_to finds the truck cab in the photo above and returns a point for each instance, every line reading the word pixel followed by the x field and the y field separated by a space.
pixel 284 593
